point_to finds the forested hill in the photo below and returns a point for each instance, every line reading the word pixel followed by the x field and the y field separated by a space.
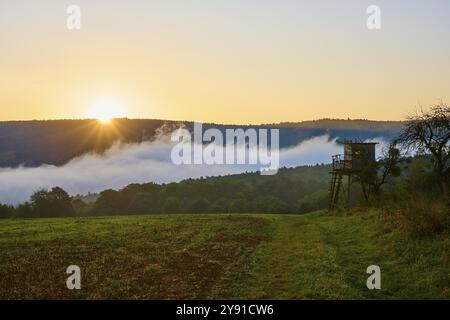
pixel 32 143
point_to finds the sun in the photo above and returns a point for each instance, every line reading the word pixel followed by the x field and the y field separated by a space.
pixel 104 110
pixel 105 119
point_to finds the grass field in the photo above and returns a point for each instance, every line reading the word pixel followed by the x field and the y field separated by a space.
pixel 314 256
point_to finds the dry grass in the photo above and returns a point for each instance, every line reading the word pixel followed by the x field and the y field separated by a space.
pixel 422 215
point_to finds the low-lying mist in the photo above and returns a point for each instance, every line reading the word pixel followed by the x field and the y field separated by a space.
pixel 139 163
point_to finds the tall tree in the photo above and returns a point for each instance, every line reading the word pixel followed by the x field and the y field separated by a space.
pixel 429 132
pixel 376 174
pixel 52 203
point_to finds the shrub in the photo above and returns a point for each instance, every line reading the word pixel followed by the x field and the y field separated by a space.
pixel 424 216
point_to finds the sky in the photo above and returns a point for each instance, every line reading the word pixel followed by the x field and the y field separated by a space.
pixel 224 61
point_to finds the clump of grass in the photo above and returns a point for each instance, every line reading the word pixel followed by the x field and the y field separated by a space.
pixel 422 215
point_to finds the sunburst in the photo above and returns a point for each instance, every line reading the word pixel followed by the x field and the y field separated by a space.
pixel 105 110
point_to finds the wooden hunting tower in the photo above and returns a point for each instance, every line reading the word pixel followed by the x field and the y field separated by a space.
pixel 356 157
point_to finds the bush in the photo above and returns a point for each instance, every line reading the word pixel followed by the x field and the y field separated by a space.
pixel 424 216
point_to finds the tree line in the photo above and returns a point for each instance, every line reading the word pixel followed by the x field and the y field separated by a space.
pixel 246 193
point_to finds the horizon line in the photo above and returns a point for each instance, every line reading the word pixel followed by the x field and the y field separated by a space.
pixel 204 122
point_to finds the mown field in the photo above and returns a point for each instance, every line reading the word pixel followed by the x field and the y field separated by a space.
pixel 314 256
